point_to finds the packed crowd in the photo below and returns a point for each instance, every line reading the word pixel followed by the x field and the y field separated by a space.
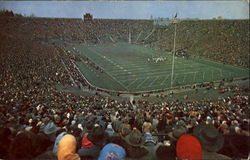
pixel 67 126
pixel 225 41
pixel 39 121
pixel 100 30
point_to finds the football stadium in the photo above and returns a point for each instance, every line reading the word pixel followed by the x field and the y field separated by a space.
pixel 129 89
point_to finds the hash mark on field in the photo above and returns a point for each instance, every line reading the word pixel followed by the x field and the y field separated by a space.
pixel 165 79
pixel 111 75
pixel 132 83
pixel 142 82
pixel 212 75
pixel 175 77
pixel 194 76
pixel 153 81
pixel 185 75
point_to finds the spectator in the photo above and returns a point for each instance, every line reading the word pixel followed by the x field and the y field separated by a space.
pixel 211 140
pixel 58 138
pixel 178 131
pixel 110 130
pixel 125 130
pixel 22 147
pixel 147 126
pixel 113 152
pixel 5 142
pixel 164 152
pixel 93 143
pixel 50 129
pixel 188 147
pixel 67 148
pixel 134 142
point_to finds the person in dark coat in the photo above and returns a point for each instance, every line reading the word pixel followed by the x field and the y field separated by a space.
pixel 134 144
pixel 211 140
pixel 93 143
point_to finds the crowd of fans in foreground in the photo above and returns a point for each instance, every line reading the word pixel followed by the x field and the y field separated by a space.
pixel 38 121
pixel 82 127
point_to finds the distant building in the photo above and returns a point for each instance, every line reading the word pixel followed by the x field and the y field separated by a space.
pixel 88 17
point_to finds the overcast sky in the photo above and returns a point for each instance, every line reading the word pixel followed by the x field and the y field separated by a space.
pixel 131 9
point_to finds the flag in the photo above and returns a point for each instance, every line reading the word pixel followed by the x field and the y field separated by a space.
pixel 175 15
pixel 174 19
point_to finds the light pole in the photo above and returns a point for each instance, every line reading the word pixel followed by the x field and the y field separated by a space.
pixel 172 75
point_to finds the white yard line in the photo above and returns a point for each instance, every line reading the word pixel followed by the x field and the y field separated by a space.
pixel 132 82
pixel 109 73
pixel 194 76
pixel 111 39
pixel 142 82
pixel 138 37
pixel 156 78
pixel 148 73
pixel 185 75
pixel 175 77
pixel 150 34
pixel 116 80
pixel 212 75
pixel 165 79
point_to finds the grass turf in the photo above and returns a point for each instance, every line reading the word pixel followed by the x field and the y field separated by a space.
pixel 126 68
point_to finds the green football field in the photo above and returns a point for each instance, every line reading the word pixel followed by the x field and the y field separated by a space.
pixel 126 68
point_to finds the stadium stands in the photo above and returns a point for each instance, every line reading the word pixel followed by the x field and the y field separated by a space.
pixel 34 111
pixel 224 41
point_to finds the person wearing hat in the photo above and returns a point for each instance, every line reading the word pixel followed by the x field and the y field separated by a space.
pixel 22 146
pixel 165 151
pixel 188 147
pixel 134 144
pixel 211 140
pixel 92 143
pixel 146 129
pixel 236 145
pixel 58 138
pixel 113 152
pixel 57 119
pixel 110 130
pixel 178 131
pixel 124 129
pixel 67 148
pixel 118 139
pixel 50 129
pixel 97 136
pixel 147 126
